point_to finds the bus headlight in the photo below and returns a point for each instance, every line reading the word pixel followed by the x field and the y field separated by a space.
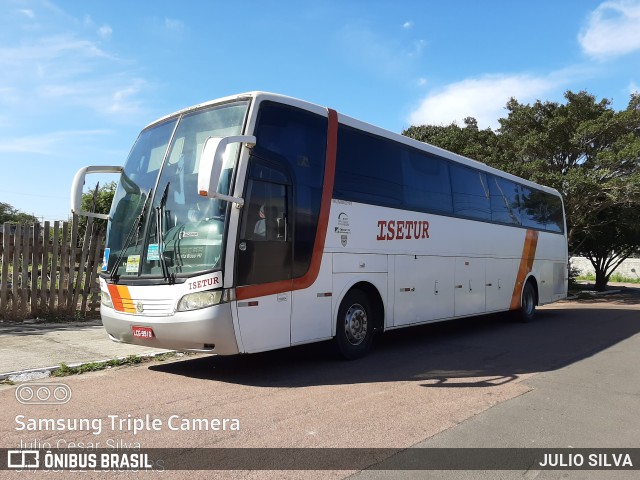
pixel 197 300
pixel 105 299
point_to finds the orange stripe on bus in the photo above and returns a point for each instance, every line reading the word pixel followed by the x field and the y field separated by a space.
pixel 253 291
pixel 526 264
pixel 121 298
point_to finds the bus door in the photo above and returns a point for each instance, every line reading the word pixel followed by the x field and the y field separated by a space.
pixel 264 260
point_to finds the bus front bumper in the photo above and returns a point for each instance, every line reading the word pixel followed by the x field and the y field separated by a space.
pixel 207 330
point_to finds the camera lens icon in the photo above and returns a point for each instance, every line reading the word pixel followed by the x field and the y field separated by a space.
pixel 43 394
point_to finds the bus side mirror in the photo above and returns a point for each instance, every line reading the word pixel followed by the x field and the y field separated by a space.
pixel 78 183
pixel 211 163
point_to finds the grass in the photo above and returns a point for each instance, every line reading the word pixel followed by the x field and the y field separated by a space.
pixel 616 277
pixel 65 370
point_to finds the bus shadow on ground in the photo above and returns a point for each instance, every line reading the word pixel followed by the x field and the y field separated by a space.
pixel 480 352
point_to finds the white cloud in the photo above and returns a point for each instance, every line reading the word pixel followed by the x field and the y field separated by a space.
pixel 105 32
pixel 407 25
pixel 87 21
pixel 173 25
pixel 51 143
pixel 49 50
pixel 418 48
pixel 613 29
pixel 123 100
pixel 367 49
pixel 28 13
pixel 65 70
pixel 110 95
pixel 483 98
pixel 35 65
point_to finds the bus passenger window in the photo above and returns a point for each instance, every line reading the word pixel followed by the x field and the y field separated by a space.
pixel 426 182
pixel 470 192
pixel 505 204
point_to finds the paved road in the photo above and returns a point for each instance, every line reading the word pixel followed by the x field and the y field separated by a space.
pixel 568 378
pixel 591 402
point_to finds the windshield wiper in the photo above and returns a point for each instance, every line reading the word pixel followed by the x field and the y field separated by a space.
pixel 170 277
pixel 134 228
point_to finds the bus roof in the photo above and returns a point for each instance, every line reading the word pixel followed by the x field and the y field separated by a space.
pixel 260 96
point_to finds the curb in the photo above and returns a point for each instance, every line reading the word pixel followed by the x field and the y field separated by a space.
pixel 591 293
pixel 45 372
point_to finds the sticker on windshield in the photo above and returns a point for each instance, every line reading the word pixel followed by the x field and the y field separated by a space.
pixel 152 252
pixel 133 263
pixel 105 259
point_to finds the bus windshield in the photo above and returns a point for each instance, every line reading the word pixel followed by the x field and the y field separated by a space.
pixel 159 226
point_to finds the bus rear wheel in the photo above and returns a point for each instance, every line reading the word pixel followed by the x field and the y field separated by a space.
pixel 354 327
pixel 528 304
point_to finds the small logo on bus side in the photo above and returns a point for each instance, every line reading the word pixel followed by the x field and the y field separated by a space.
pixel 343 228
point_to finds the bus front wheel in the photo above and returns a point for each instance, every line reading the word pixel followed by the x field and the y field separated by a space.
pixel 354 327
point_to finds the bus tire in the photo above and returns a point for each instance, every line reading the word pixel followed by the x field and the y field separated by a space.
pixel 527 310
pixel 354 326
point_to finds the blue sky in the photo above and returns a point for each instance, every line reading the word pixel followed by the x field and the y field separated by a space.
pixel 78 79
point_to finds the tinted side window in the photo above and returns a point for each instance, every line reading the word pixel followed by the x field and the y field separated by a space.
pixel 541 210
pixel 533 208
pixel 470 193
pixel 556 219
pixel 426 182
pixel 505 203
pixel 263 172
pixel 368 169
pixel 296 139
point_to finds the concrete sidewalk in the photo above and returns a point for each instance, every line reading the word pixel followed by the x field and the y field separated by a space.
pixel 31 350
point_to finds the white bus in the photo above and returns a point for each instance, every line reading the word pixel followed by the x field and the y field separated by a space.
pixel 258 221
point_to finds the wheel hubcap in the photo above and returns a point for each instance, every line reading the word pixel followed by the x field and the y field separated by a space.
pixel 356 324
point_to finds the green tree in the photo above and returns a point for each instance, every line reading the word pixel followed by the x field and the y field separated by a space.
pixel 469 140
pixel 8 213
pixel 617 237
pixel 610 233
pixel 97 200
pixel 103 198
pixel 583 148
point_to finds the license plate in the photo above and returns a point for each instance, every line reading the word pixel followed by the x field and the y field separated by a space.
pixel 142 332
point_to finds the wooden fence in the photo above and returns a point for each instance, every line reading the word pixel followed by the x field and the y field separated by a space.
pixel 48 271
